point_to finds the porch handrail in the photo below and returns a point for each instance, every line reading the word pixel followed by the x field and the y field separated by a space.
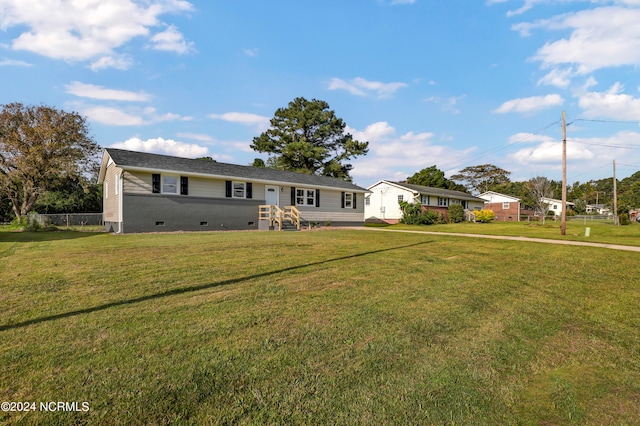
pixel 292 214
pixel 273 214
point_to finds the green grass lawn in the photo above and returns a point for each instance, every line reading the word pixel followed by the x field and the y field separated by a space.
pixel 330 327
pixel 600 231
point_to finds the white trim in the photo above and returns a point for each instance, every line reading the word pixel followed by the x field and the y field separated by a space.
pixel 233 189
pixel 308 193
pixel 162 184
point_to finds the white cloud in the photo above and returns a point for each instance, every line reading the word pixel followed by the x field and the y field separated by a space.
pixel 530 105
pixel 260 122
pixel 112 116
pixel 393 156
pixel 14 63
pixel 551 152
pixel 600 38
pixel 171 40
pixel 84 30
pixel 117 117
pixel 362 87
pixel 449 104
pixel 163 146
pixel 119 62
pixel 558 77
pixel 582 153
pixel 251 52
pixel 98 92
pixel 611 104
pixel 196 136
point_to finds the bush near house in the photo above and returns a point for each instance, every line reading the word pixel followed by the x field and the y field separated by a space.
pixel 456 213
pixel 485 216
pixel 414 214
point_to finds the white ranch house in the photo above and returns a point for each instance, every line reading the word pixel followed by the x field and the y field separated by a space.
pixel 382 204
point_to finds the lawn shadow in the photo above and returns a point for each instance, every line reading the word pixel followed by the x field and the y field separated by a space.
pixel 31 237
pixel 196 288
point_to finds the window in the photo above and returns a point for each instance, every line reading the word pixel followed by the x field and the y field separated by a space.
pixel 443 201
pixel 169 184
pixel 305 197
pixel 505 206
pixel 239 189
pixel 348 201
pixel 424 200
pixel 367 200
pixel 400 198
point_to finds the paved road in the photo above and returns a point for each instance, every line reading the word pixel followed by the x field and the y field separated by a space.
pixel 504 237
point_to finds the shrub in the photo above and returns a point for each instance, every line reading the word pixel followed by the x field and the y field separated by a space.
pixel 623 219
pixel 413 214
pixel 485 216
pixel 456 213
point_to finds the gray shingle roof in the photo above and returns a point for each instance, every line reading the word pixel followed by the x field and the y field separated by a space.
pixel 427 190
pixel 143 160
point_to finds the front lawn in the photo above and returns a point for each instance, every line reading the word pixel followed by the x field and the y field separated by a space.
pixel 329 327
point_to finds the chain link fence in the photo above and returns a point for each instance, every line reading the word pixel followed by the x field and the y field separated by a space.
pixel 69 219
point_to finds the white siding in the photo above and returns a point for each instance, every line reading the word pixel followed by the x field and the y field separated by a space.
pixel 383 202
pixel 111 205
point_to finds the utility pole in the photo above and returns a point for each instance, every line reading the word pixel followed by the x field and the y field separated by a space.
pixel 615 197
pixel 563 217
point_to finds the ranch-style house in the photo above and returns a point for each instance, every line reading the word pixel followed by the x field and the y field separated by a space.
pixel 152 193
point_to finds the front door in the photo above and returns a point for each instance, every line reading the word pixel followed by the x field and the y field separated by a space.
pixel 272 195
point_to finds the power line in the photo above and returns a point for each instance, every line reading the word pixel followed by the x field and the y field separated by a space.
pixel 608 121
pixel 493 151
pixel 605 144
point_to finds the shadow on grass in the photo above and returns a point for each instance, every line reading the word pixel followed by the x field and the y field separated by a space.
pixel 184 290
pixel 14 236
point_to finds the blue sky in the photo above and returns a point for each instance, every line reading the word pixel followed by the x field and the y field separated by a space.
pixel 451 83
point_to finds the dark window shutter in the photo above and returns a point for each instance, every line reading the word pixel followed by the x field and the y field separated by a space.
pixel 317 198
pixel 293 196
pixel 228 189
pixel 353 202
pixel 184 185
pixel 343 200
pixel 249 190
pixel 155 183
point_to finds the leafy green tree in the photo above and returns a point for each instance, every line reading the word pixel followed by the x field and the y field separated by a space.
pixel 259 162
pixel 482 178
pixel 629 190
pixel 307 137
pixel 540 188
pixel 434 178
pixel 40 147
pixel 74 195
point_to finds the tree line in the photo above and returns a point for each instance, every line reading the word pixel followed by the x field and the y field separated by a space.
pixel 488 177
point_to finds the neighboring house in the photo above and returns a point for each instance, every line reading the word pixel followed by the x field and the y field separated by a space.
pixel 598 209
pixel 505 207
pixel 555 206
pixel 382 204
pixel 150 192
